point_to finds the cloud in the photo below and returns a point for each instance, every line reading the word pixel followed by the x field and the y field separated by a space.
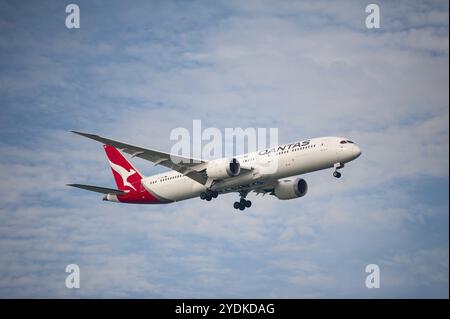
pixel 310 69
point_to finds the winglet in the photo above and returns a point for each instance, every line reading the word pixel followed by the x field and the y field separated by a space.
pixel 85 134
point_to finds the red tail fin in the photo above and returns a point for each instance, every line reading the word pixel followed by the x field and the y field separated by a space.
pixel 126 176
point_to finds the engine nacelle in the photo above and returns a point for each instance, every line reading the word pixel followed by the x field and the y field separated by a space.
pixel 111 198
pixel 291 188
pixel 223 168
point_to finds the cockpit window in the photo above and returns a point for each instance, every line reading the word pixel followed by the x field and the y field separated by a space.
pixel 350 142
pixel 343 142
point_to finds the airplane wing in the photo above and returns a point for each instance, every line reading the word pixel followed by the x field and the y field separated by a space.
pixel 189 167
pixel 98 189
pixel 265 189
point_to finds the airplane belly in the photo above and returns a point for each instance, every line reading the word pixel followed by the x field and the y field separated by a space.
pixel 304 163
pixel 314 161
pixel 238 181
pixel 177 190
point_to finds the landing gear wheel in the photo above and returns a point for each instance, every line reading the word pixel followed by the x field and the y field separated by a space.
pixel 208 195
pixel 242 203
pixel 337 174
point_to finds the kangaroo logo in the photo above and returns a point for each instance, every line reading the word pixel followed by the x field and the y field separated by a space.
pixel 123 173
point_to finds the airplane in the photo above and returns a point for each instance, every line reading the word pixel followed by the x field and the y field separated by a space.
pixel 190 178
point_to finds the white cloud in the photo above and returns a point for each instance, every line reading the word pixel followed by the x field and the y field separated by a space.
pixel 238 64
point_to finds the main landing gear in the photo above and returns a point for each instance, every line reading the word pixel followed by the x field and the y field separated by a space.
pixel 337 166
pixel 209 194
pixel 243 203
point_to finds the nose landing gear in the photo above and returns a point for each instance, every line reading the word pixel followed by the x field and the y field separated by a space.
pixel 337 174
pixel 337 166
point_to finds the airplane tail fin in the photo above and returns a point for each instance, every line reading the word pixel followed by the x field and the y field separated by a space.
pixel 127 177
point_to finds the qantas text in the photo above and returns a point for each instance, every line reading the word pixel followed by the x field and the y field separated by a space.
pixel 284 147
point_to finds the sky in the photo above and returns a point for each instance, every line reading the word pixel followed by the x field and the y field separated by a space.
pixel 135 71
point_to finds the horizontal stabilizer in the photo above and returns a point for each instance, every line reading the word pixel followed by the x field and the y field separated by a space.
pixel 98 189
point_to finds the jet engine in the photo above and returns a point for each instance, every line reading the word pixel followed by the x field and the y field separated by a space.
pixel 223 168
pixel 291 188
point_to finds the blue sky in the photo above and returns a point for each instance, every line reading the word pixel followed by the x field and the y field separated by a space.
pixel 136 71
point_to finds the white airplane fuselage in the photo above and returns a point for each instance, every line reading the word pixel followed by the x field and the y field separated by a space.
pixel 265 168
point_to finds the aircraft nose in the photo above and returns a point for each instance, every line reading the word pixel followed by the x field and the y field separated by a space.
pixel 356 151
